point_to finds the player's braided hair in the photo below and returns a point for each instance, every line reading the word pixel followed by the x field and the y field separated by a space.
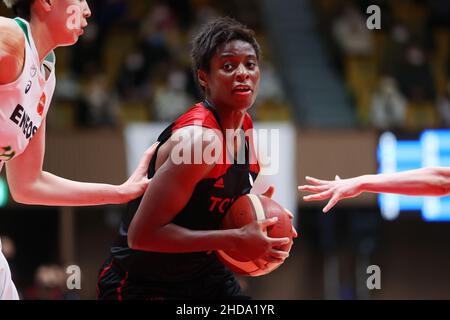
pixel 21 8
pixel 214 34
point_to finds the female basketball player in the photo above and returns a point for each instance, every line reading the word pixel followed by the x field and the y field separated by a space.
pixel 164 244
pixel 420 182
pixel 27 82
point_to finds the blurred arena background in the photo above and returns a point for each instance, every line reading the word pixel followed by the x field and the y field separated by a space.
pixel 326 77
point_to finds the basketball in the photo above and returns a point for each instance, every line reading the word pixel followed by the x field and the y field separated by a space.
pixel 244 210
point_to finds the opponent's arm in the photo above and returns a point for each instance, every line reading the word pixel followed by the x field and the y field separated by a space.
pixel 30 185
pixel 420 182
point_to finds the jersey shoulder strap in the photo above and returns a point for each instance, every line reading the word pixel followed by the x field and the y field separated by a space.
pixel 24 28
pixel 50 58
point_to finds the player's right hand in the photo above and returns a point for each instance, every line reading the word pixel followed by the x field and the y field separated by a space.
pixel 334 190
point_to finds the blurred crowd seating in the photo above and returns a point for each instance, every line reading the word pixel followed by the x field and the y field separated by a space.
pixel 398 76
pixel 133 64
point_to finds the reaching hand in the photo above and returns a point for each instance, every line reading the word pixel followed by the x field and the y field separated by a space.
pixel 334 190
pixel 138 182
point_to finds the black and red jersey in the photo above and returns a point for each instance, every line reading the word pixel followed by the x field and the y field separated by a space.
pixel 205 210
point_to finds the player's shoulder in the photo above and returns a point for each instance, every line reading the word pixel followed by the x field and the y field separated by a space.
pixel 196 141
pixel 12 38
pixel 12 47
pixel 9 28
pixel 197 115
pixel 198 136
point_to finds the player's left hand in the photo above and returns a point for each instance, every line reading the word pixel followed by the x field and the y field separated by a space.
pixel 269 193
pixel 291 216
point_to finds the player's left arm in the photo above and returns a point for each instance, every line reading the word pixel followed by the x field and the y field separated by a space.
pixel 29 184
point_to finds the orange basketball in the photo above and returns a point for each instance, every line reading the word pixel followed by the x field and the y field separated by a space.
pixel 244 210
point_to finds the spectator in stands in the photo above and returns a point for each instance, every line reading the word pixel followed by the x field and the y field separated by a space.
pixel 171 98
pixel 86 57
pixel 443 107
pixel 351 33
pixel 388 108
pixel 439 13
pixel 414 76
pixel 448 64
pixel 183 11
pixel 204 14
pixel 154 34
pixel 108 13
pixel 270 86
pixel 133 77
pixel 399 38
pixel 99 104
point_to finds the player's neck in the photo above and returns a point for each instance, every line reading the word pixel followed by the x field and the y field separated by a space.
pixel 42 38
pixel 231 119
pixel 228 119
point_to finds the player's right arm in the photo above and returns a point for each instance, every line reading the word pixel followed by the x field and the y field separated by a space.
pixel 421 182
pixel 12 50
pixel 172 186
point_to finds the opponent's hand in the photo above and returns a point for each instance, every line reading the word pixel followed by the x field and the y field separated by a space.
pixel 334 190
pixel 138 182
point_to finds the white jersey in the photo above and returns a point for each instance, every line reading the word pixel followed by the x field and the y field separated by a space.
pixel 23 106
pixel 8 290
pixel 24 103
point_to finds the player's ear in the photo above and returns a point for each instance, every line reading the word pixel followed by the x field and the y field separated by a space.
pixel 202 78
pixel 43 5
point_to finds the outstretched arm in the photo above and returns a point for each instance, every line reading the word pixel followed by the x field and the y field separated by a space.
pixel 420 182
pixel 30 185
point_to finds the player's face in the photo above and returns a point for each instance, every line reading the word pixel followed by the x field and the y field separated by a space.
pixel 233 80
pixel 67 19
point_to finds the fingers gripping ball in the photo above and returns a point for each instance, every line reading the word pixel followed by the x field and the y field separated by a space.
pixel 245 210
